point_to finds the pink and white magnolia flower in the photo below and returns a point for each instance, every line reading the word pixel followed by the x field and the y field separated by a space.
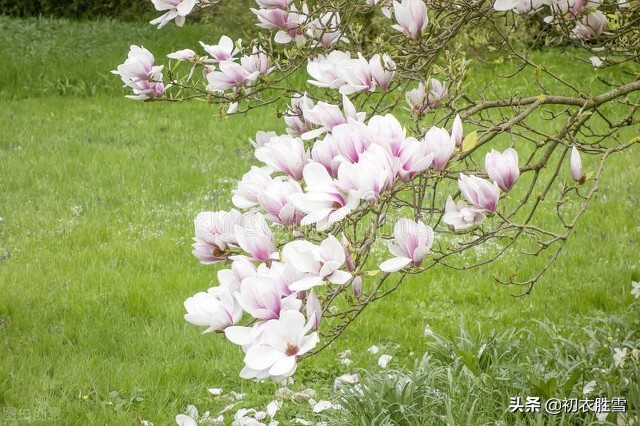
pixel 183 55
pixel 521 7
pixel 326 69
pixel 382 69
pixel 176 9
pixel 417 98
pixel 253 183
pixel 411 16
pixel 373 174
pixel 214 232
pixel 216 312
pixel 576 166
pixel 356 75
pixel 461 216
pixel 230 279
pixel 282 340
pixel 294 118
pixel 414 240
pixel 591 25
pixel 262 138
pixel 437 93
pixel 352 140
pixel 503 168
pixel 413 159
pixel 275 201
pixel 225 50
pixel 323 201
pixel 257 62
pixel 325 151
pixel 482 194
pixel 284 274
pixel 439 143
pixel 292 29
pixel 285 154
pixel 261 298
pixel 139 73
pixel 326 29
pixel 231 76
pixel 271 18
pixel 327 116
pixel 319 263
pixel 255 237
pixel 387 132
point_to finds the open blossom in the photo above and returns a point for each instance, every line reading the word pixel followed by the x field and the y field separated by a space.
pixel 439 143
pixel 327 116
pixel 252 184
pixel 461 216
pixel 503 168
pixel 230 279
pixel 261 298
pixel 356 75
pixel 326 29
pixel 325 151
pixel 635 290
pixel 274 199
pixel 282 341
pixel 323 201
pixel 285 154
pixel 523 7
pixel 414 240
pixel 254 236
pixel 230 76
pixel 214 232
pixel 352 140
pixel 576 166
pixel 482 194
pixel 370 176
pixel 288 24
pixel 417 98
pixel 176 9
pixel 411 16
pixel 326 69
pixel 216 312
pixel 437 93
pixel 225 50
pixel 413 159
pixel 318 262
pixel 387 132
pixel 257 62
pixel 382 69
pixel 139 73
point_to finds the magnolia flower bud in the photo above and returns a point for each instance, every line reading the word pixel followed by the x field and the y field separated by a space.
pixel 576 167
pixel 503 168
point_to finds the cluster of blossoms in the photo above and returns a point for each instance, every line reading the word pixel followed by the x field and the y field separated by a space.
pixel 588 21
pixel 331 167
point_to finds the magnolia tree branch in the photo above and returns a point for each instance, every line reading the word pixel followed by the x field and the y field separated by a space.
pixel 394 161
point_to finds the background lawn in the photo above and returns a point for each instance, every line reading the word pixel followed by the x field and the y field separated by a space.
pixel 99 197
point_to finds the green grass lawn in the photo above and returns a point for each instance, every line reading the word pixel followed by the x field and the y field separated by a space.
pixel 99 196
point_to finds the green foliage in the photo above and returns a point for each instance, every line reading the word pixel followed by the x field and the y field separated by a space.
pixel 471 379
pixel 77 9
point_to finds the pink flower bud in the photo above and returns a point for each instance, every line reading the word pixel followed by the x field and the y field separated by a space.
pixel 576 167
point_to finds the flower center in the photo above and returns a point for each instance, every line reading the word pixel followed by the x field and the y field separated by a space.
pixel 291 350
